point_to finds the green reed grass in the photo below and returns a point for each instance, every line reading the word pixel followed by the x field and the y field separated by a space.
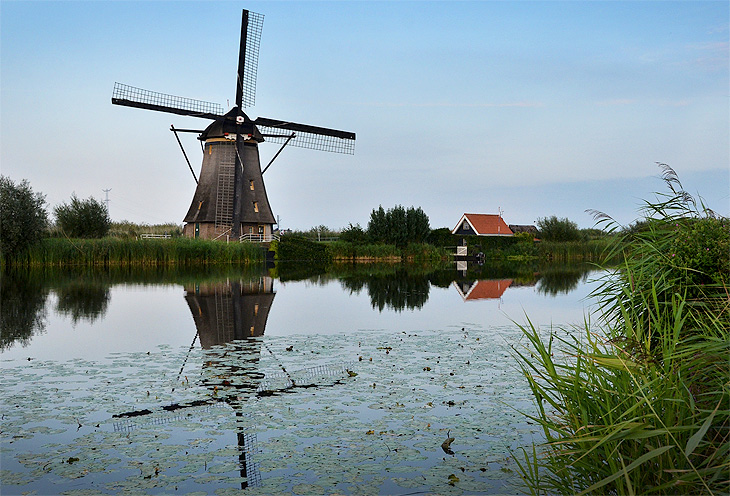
pixel 640 403
pixel 144 252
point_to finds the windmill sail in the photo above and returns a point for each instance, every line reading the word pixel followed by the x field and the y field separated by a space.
pixel 306 136
pixel 248 58
pixel 129 96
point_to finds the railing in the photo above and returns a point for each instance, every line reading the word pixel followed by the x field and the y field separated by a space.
pixel 259 238
pixel 155 236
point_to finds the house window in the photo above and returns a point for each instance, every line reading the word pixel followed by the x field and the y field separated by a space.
pixel 465 226
pixel 255 206
pixel 251 184
pixel 250 230
pixel 261 229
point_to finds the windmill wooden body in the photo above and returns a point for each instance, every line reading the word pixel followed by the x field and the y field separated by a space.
pixel 230 201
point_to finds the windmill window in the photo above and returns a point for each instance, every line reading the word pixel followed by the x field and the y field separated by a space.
pixel 251 184
pixel 255 206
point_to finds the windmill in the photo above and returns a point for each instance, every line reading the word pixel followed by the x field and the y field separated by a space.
pixel 230 200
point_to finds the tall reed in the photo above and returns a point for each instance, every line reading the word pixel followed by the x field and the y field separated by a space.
pixel 640 402
pixel 147 252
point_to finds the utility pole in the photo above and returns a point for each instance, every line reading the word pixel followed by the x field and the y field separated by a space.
pixel 106 200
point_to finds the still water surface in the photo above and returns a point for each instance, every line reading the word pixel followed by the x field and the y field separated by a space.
pixel 274 381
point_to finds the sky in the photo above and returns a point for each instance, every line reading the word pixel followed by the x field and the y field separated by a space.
pixel 533 109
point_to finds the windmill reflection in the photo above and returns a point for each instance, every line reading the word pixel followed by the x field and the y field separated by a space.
pixel 229 314
pixel 230 319
pixel 232 310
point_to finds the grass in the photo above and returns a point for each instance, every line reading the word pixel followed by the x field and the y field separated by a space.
pixel 145 252
pixel 639 402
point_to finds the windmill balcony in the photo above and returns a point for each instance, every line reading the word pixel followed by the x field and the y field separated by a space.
pixel 259 238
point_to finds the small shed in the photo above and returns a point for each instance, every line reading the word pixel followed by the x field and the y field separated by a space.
pixel 482 225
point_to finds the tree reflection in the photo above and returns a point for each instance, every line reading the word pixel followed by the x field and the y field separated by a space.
pixel 22 308
pixel 83 300
pixel 395 289
pixel 561 280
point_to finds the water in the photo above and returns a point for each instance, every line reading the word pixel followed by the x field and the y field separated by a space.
pixel 288 380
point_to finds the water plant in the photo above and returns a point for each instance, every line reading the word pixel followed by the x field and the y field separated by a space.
pixel 639 401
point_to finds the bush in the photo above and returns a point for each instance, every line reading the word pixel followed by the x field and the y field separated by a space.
pixel 442 237
pixel 23 217
pixel 554 229
pixel 292 247
pixel 83 218
pixel 354 234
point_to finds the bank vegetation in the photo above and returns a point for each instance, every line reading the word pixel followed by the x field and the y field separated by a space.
pixel 638 402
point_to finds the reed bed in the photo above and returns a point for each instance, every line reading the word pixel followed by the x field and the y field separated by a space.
pixel 144 252
pixel 639 402
pixel 572 251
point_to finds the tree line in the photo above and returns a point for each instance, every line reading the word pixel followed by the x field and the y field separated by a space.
pixel 24 220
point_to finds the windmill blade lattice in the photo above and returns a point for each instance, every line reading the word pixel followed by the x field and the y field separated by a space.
pixel 306 136
pixel 131 96
pixel 248 58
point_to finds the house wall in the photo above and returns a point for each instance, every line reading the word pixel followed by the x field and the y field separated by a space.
pixel 465 232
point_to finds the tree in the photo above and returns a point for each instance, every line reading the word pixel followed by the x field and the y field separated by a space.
pixel 419 226
pixel 23 217
pixel 554 229
pixel 83 218
pixel 398 226
pixel 378 225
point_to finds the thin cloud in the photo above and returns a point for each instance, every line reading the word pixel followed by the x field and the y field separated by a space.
pixel 633 101
pixel 450 105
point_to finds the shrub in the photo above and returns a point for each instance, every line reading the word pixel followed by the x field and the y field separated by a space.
pixel 354 234
pixel 554 229
pixel 23 217
pixel 83 218
pixel 293 247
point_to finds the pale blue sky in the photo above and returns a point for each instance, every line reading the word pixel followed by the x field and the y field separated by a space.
pixel 537 108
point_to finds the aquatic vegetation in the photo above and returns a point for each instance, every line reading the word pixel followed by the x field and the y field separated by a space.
pixel 639 404
pixel 272 414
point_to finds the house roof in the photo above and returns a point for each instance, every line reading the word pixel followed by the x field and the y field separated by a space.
pixel 485 289
pixel 485 224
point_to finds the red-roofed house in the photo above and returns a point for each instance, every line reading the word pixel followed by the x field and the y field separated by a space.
pixel 485 289
pixel 482 225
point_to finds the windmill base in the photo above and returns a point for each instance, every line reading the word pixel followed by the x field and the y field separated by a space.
pixel 208 230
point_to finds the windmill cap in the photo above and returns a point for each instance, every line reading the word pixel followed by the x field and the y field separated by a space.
pixel 235 121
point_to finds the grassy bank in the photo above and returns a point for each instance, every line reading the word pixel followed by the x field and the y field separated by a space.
pixel 639 402
pixel 297 248
pixel 144 252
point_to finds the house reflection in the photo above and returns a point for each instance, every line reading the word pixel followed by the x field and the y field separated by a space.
pixel 486 289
